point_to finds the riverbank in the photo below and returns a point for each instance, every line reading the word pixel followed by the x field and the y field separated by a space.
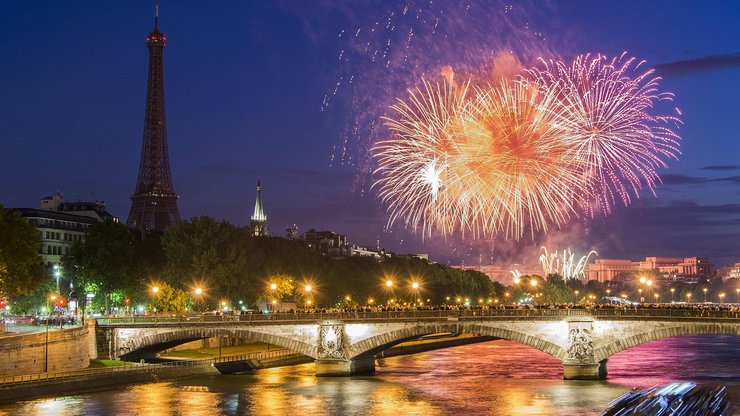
pixel 97 379
pixel 111 374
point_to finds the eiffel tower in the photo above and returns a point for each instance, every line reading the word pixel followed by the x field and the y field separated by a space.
pixel 154 203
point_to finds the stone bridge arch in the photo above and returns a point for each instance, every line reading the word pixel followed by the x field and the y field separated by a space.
pixel 653 333
pixel 135 347
pixel 382 341
pixel 545 344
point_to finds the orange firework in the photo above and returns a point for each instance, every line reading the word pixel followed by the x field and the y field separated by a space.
pixel 522 155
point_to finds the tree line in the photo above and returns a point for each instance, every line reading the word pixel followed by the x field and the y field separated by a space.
pixel 228 264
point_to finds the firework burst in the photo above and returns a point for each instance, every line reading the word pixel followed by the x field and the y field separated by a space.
pixel 602 108
pixel 524 155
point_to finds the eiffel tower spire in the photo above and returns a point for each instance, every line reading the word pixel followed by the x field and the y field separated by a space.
pixel 259 219
pixel 154 202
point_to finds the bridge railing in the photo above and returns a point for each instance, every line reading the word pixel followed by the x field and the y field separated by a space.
pixel 417 315
pixel 10 381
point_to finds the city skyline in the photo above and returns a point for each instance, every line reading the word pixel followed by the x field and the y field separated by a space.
pixel 240 110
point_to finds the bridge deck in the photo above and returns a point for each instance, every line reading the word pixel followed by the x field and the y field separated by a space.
pixel 427 315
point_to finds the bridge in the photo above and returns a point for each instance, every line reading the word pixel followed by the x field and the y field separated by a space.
pixel 346 343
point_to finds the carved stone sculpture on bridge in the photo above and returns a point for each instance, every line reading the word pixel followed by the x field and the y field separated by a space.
pixel 331 345
pixel 580 345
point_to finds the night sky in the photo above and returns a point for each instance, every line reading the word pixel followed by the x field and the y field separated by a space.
pixel 246 88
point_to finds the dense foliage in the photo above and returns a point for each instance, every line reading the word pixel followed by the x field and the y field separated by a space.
pixel 21 269
pixel 231 267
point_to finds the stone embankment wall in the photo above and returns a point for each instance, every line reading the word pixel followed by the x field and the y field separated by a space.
pixel 97 382
pixel 27 353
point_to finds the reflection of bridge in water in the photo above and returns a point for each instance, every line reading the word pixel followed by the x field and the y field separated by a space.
pixel 346 343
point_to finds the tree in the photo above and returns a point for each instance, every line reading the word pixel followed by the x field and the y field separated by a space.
pixel 21 268
pixel 285 287
pixel 555 290
pixel 170 300
pixel 214 255
pixel 106 258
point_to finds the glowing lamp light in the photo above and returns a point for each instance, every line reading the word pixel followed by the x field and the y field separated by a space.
pixel 389 283
pixel 415 285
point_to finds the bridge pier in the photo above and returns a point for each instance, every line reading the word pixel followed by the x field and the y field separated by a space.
pixel 334 368
pixel 584 371
pixel 580 363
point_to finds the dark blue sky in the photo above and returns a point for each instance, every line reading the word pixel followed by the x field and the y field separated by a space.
pixel 245 82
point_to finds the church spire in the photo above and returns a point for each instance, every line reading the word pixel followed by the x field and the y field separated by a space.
pixel 259 219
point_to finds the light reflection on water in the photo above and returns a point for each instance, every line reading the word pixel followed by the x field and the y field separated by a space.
pixel 493 378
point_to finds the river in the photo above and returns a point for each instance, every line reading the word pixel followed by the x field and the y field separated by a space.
pixel 491 378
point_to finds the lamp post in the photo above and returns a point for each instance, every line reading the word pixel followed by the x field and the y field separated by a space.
pixel 57 274
pixel 705 294
pixel 155 291
pixel 389 289
pixel 199 293
pixel 688 296
pixel 737 292
pixel 721 297
pixel 273 288
pixel 308 289
pixel 53 298
pixel 673 291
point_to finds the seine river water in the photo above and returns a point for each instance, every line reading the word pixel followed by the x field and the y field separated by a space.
pixel 492 378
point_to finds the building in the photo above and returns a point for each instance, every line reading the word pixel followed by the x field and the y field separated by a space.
pixel 258 220
pixel 154 202
pixel 95 209
pixel 61 224
pixel 501 274
pixel 327 243
pixel 612 270
pixel 688 269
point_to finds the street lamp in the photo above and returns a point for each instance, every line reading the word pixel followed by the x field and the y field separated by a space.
pixel 705 294
pixel 688 296
pixel 737 292
pixel 46 344
pixel 308 288
pixel 657 297
pixel 57 274
pixel 673 291
pixel 721 296
pixel 533 282
pixel 199 293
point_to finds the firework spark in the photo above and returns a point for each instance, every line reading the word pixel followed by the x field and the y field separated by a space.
pixel 530 154
pixel 567 266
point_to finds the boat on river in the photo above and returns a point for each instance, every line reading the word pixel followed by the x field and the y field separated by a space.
pixel 674 399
